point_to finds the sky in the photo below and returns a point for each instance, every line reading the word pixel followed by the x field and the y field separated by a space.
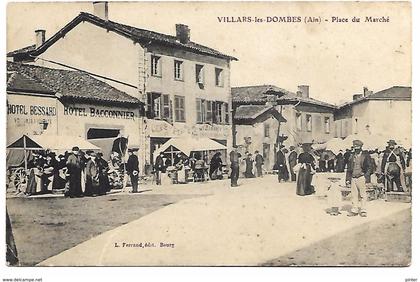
pixel 336 59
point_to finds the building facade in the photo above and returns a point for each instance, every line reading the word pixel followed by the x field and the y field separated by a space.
pixel 54 102
pixel 386 112
pixel 185 86
pixel 304 120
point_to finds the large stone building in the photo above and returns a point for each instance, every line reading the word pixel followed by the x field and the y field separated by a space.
pixel 185 86
pixel 266 116
pixel 386 112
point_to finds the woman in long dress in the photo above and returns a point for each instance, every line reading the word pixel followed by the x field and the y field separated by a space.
pixel 304 180
pixel 249 167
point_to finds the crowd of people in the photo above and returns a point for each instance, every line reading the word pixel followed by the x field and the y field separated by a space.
pixel 79 173
pixel 183 169
pixel 388 169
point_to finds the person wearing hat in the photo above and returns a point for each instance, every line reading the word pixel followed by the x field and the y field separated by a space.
pixel 74 169
pixel 133 170
pixel 358 174
pixel 292 159
pixel 283 174
pixel 393 167
pixel 92 175
pixel 307 168
pixel 103 169
pixel 159 168
pixel 235 158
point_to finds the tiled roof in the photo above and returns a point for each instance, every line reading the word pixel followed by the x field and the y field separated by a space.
pixel 251 112
pixel 392 93
pixel 133 33
pixel 19 82
pixel 22 50
pixel 72 84
pixel 257 93
pixel 395 92
pixel 260 93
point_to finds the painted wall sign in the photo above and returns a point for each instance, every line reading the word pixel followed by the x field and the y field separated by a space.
pixel 97 112
pixel 33 110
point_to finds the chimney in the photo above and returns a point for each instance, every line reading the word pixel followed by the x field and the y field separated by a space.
pixel 39 37
pixel 357 96
pixel 365 91
pixel 305 90
pixel 100 9
pixel 182 33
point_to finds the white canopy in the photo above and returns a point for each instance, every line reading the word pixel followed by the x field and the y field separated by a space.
pixel 63 143
pixel 190 144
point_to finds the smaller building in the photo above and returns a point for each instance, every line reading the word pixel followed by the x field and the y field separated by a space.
pixel 267 116
pixel 43 100
pixel 386 112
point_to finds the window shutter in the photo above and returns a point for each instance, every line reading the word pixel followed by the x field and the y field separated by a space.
pixel 149 113
pixel 166 107
pixel 171 116
pixel 199 110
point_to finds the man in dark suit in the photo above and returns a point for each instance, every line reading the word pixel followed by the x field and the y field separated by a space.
pixel 234 157
pixel 292 162
pixel 133 169
pixel 159 168
pixel 358 174
pixel 281 165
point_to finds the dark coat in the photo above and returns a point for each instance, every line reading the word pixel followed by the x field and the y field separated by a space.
pixel 132 164
pixel 366 166
pixel 399 157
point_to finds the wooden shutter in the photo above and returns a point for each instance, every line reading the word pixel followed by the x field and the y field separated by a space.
pixel 166 107
pixel 199 110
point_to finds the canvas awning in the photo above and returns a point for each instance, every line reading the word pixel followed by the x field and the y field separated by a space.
pixel 52 142
pixel 190 144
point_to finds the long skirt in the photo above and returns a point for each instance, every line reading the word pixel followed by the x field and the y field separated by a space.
pixel 304 186
pixel 75 184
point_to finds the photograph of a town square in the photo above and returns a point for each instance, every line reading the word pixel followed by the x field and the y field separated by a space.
pixel 208 134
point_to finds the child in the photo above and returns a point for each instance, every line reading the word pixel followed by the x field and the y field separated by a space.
pixel 334 196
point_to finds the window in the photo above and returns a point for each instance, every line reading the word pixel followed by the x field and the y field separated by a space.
pixel 178 70
pixel 308 123
pixel 218 109
pixel 327 125
pixel 156 66
pixel 266 130
pixel 199 74
pixel 180 108
pixel 159 106
pixel 299 121
pixel 219 77
pixel 200 108
pixel 153 105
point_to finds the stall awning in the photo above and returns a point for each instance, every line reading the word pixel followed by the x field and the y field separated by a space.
pixel 189 144
pixel 52 142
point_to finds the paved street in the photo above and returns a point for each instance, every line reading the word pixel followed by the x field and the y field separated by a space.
pixel 250 225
